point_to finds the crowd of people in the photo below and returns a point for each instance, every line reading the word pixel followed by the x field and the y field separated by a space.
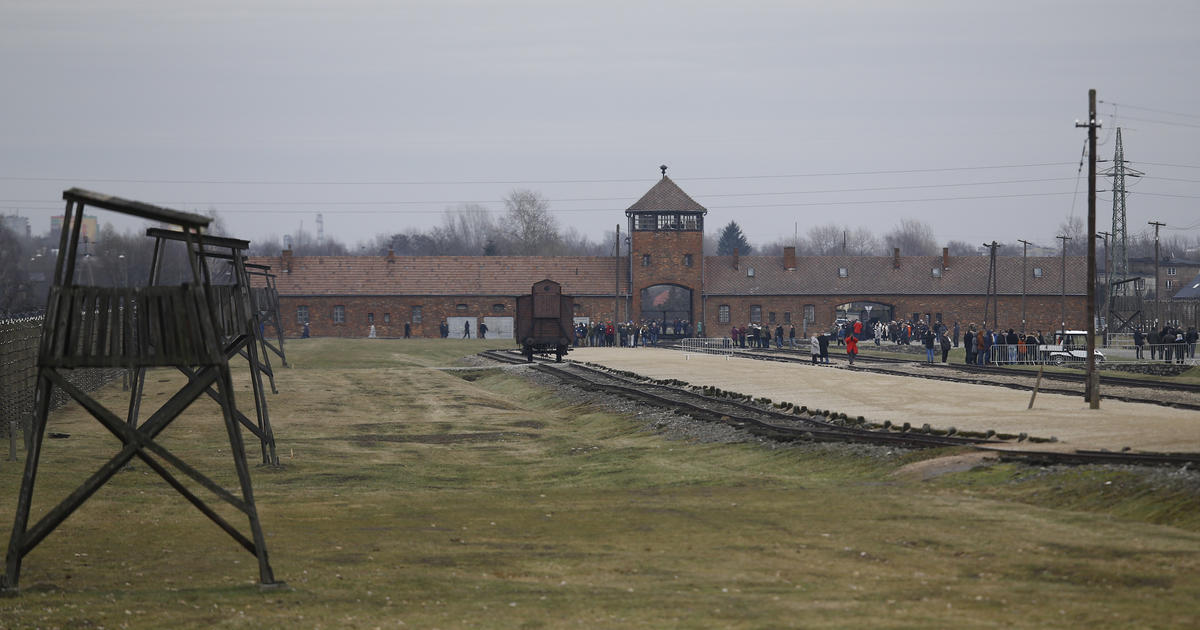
pixel 1170 344
pixel 628 334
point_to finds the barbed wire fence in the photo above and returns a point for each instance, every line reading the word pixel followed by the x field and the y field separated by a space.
pixel 19 339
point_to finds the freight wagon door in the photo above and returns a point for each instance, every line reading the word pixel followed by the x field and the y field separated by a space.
pixel 499 327
pixel 456 327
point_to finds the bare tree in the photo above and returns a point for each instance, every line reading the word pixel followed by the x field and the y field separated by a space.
pixel 835 240
pixel 913 237
pixel 1074 228
pixel 963 248
pixel 530 227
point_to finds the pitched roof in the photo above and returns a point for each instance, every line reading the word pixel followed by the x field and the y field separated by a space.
pixel 1190 291
pixel 666 195
pixel 440 275
pixel 876 275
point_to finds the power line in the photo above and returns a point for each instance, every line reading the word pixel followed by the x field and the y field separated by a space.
pixel 579 199
pixel 248 182
pixel 609 210
pixel 1162 122
pixel 1150 109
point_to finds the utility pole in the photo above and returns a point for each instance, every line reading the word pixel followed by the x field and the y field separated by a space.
pixel 617 266
pixel 1106 310
pixel 993 289
pixel 1093 378
pixel 1062 301
pixel 1024 274
pixel 1156 225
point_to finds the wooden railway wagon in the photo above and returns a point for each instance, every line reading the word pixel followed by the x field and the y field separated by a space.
pixel 544 322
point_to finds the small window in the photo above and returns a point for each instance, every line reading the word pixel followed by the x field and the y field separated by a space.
pixel 370 318
pixel 787 317
pixel 339 314
pixel 575 308
pixel 497 308
pixel 939 317
pixel 460 307
pixel 936 272
pixel 302 314
pixel 1037 272
pixel 750 272
pixel 387 318
pixel 416 314
pixel 843 272
pixel 915 318
pixel 1170 283
pixel 723 314
pixel 771 317
pixel 645 260
pixel 687 260
pixel 1170 271
pixel 810 313
pixel 756 314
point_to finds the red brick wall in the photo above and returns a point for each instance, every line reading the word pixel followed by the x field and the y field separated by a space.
pixel 1041 312
pixel 434 310
pixel 666 249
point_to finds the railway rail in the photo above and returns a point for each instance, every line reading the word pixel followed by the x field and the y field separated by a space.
pixel 784 426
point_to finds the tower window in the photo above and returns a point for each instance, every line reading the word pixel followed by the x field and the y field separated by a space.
pixel 645 260
pixel 687 260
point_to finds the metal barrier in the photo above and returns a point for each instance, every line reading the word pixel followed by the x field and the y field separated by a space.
pixel 719 346
pixel 1052 354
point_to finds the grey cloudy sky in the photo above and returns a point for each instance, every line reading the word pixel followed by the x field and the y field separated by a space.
pixel 777 114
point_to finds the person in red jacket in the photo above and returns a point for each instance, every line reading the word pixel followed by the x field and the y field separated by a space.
pixel 851 347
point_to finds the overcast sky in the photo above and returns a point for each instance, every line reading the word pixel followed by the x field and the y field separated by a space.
pixel 781 115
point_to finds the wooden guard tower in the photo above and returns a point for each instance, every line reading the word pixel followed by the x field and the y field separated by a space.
pixel 236 325
pixel 266 307
pixel 133 328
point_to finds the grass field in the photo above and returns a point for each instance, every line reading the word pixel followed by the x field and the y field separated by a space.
pixel 424 498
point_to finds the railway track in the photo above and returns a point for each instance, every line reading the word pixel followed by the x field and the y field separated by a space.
pixel 786 426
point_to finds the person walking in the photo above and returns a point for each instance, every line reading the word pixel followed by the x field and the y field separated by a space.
pixel 792 337
pixel 823 340
pixel 466 330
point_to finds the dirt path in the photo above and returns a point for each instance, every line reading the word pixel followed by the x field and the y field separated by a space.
pixel 918 401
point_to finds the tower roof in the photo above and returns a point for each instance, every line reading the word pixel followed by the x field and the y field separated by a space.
pixel 667 196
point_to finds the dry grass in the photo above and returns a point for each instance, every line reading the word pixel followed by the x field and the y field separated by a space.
pixel 423 498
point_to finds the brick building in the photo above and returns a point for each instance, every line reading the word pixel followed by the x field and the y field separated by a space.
pixel 666 275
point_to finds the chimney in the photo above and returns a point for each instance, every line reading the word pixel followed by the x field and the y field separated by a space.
pixel 735 258
pixel 391 257
pixel 789 258
pixel 895 258
pixel 945 258
pixel 285 257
